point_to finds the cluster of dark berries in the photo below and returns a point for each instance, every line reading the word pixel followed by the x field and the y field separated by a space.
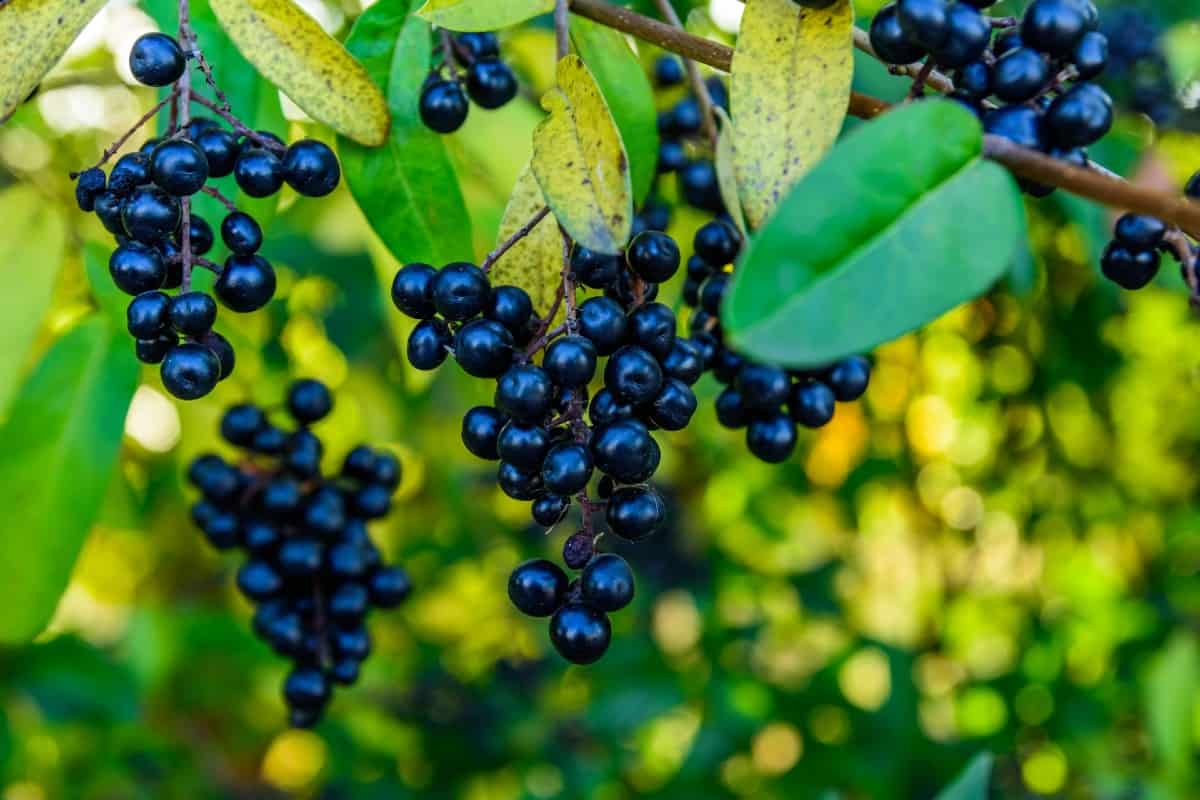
pixel 1031 85
pixel 311 567
pixel 768 401
pixel 1138 73
pixel 140 201
pixel 1134 256
pixel 472 59
pixel 550 435
pixel 679 129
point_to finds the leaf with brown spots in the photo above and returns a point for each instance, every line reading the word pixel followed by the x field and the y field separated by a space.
pixel 579 161
pixel 790 90
pixel 291 51
pixel 34 34
pixel 534 263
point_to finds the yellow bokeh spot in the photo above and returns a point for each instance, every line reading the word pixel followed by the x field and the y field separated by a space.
pixel 24 790
pixel 931 425
pixel 865 679
pixel 776 748
pixel 294 760
pixel 1045 772
pixel 981 711
pixel 677 622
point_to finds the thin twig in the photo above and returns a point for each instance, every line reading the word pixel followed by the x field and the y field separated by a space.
pixel 185 116
pixel 238 126
pixel 511 241
pixel 449 52
pixel 562 28
pixel 935 79
pixel 699 87
pixel 214 192
pixel 918 84
pixel 568 281
pixel 142 120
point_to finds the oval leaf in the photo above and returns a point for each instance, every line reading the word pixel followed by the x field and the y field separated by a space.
pixel 628 94
pixel 34 234
pixel 61 443
pixel 535 263
pixel 482 15
pixel 407 189
pixel 34 34
pixel 580 162
pixel 291 51
pixel 726 179
pixel 790 90
pixel 879 239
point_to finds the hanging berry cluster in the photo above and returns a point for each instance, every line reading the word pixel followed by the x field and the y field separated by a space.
pixel 467 58
pixel 145 202
pixel 311 567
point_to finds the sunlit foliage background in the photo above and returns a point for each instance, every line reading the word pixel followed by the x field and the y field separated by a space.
pixel 997 550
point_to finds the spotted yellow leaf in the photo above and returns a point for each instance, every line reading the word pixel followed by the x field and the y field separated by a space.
pixel 34 34
pixel 790 89
pixel 289 48
pixel 579 161
pixel 535 263
pixel 481 15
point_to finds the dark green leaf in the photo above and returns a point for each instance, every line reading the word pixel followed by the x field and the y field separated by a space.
pixel 61 443
pixel 407 188
pixel 1170 689
pixel 628 94
pixel 972 782
pixel 879 239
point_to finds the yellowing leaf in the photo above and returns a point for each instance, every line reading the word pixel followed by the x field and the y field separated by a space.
pixel 291 51
pixel 535 263
pixel 34 34
pixel 580 163
pixel 790 90
pixel 482 15
pixel 726 179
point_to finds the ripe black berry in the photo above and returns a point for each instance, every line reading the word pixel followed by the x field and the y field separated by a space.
pixel 849 377
pixel 309 401
pixel 523 445
pixel 491 83
pixel 925 23
pixel 969 34
pixel 771 438
pixel 412 290
pixel 571 360
pixel 241 234
pixel 607 583
pixel 567 468
pixel 652 327
pixel 668 71
pixel 136 268
pixel 480 429
pixel 483 348
pixel 146 317
pixel 156 60
pixel 635 513
pixel 595 270
pixel 633 375
pixel 149 215
pixel 220 150
pixel 131 171
pixel 311 168
pixel 258 172
pixel 192 313
pixel 153 351
pixel 626 451
pixel 537 588
pixel 200 235
pixel 190 371
pixel 88 187
pixel 444 106
pixel 1080 116
pixel 428 344
pixel 674 406
pixel 763 387
pixel 512 308
pixel 580 634
pixel 1054 26
pixel 389 586
pixel 241 423
pixel 654 256
pixel 525 392
pixel 603 321
pixel 1020 74
pixel 549 509
pixel 517 483
pixel 480 45
pixel 1129 269
pixel 178 167
pixel 890 41
pixel 246 283
pixel 460 291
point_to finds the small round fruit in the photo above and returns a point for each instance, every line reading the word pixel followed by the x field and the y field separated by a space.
pixel 490 83
pixel 178 167
pixel 483 348
pixel 389 587
pixel 633 375
pixel 136 268
pixel 570 361
pixel 460 291
pixel 654 256
pixel 220 150
pixel 772 438
pixel 1140 232
pixel 580 634
pixel 889 40
pixel 311 168
pixel 525 392
pixel 537 588
pixel 258 172
pixel 635 513
pixel 567 468
pixel 1128 268
pixel 849 377
pixel 147 315
pixel 190 371
pixel 481 428
pixel 626 451
pixel 309 401
pixel 607 583
pixel 412 290
pixel 444 106
pixel 429 344
pixel 246 283
pixel 156 59
pixel 241 234
pixel 192 313
pixel 150 215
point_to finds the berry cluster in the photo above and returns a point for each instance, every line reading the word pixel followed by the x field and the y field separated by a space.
pixel 472 59
pixel 311 568
pixel 144 202
pixel 679 130
pixel 1138 73
pixel 767 401
pixel 1133 258
pixel 548 452
pixel 1030 85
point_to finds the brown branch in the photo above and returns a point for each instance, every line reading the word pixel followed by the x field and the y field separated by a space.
pixel 562 28
pixel 699 87
pixel 510 242
pixel 1096 184
pixel 934 79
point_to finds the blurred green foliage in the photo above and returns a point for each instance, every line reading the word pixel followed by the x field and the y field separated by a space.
pixel 997 551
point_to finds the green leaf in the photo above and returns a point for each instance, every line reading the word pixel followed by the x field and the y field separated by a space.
pixel 580 161
pixel 34 237
pixel 290 49
pixel 34 34
pixel 726 177
pixel 627 91
pixel 482 15
pixel 61 443
pixel 904 234
pixel 112 301
pixel 407 189
pixel 1170 697
pixel 972 782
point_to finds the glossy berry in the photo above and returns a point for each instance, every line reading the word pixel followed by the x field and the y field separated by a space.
pixel 480 45
pixel 523 445
pixel 605 409
pixel 674 406
pixel 428 344
pixel 481 428
pixel 607 583
pixel 258 580
pixel 147 315
pixel 1140 232
pixel 190 371
pixel 668 71
pixel 812 404
pixel 652 327
pixel 731 412
pixel 412 290
pixel 525 392
pixel 1054 26
pixel 153 351
pixel 258 172
pixel 717 243
pixel 241 423
pixel 444 106
pixel 684 362
pixel 483 348
pixel 849 377
pixel 635 513
pixel 156 60
pixel 136 268
pixel 223 350
pixel 567 468
pixel 594 270
pixel 131 171
pixel 889 40
pixel 626 451
pixel 490 83
pixel 108 209
pixel 306 688
pixel 603 321
pixel 1090 55
pixel 1020 124
pixel 309 401
pixel 699 186
pixel 512 308
pixel 241 234
pixel 193 313
pixel 970 33
pixel 654 256
pixel 570 361
pixel 220 149
pixel 311 168
pixel 88 187
pixel 246 283
pixel 633 375
pixel 389 587
pixel 178 167
pixel 549 509
pixel 517 483
pixel 1080 116
pixel 1129 269
pixel 538 588
pixel 580 634
pixel 149 215
pixel 771 438
pixel 1020 74
pixel 925 23
pixel 200 235
pixel 763 387
pixel 460 291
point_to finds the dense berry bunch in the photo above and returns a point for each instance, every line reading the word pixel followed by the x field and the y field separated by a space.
pixel 768 401
pixel 1031 84
pixel 551 436
pixel 1138 73
pixel 143 202
pixel 1132 259
pixel 311 567
pixel 681 149
pixel 470 60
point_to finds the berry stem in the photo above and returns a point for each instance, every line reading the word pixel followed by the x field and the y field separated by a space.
pixel 142 120
pixel 1094 182
pixel 699 87
pixel 185 116
pixel 1182 248
pixel 511 241
pixel 449 53
pixel 922 78
pixel 934 79
pixel 238 126
pixel 568 282
pixel 214 192
pixel 562 28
